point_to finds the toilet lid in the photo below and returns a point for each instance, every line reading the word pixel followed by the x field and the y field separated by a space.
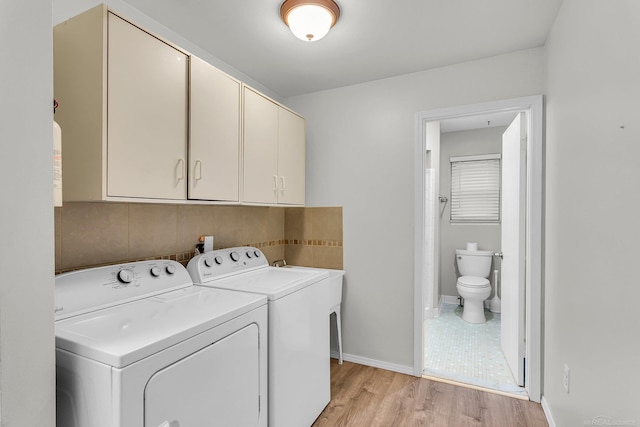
pixel 473 281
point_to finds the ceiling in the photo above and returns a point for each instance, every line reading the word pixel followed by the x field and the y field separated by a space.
pixel 478 121
pixel 373 39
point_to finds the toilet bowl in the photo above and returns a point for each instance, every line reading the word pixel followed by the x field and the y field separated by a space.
pixel 473 285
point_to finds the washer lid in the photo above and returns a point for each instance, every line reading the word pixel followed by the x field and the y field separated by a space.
pixel 123 334
pixel 274 282
pixel 473 281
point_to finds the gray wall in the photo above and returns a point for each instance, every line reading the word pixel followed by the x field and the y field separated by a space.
pixel 456 236
pixel 592 211
pixel 360 155
pixel 27 366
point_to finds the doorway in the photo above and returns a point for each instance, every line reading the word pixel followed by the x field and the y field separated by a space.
pixel 427 286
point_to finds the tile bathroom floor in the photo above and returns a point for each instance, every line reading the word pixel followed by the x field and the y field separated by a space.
pixel 467 353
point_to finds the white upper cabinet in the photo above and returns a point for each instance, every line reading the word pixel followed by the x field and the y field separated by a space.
pixel 274 152
pixel 142 120
pixel 260 154
pixel 147 115
pixel 214 150
pixel 291 158
pixel 123 95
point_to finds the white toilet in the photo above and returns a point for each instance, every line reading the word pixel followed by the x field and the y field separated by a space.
pixel 474 267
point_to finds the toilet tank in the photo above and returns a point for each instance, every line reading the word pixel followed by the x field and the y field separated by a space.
pixel 474 263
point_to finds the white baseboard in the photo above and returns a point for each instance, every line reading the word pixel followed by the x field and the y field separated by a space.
pixel 378 364
pixel 430 313
pixel 453 299
pixel 449 299
pixel 547 412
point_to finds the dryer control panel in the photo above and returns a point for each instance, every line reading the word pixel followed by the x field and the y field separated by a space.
pixel 82 291
pixel 225 262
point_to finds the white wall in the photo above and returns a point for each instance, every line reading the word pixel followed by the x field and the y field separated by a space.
pixel 360 147
pixel 27 366
pixel 456 236
pixel 592 212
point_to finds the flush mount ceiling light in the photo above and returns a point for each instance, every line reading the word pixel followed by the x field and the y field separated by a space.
pixel 310 20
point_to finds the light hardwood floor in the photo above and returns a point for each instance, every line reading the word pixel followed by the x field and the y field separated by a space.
pixel 362 396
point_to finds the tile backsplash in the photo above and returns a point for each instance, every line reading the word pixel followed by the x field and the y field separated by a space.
pixel 92 234
pixel 314 237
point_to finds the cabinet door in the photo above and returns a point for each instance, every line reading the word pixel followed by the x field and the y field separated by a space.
pixel 260 152
pixel 291 158
pixel 214 145
pixel 146 115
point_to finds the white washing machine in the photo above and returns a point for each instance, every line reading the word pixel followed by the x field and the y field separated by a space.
pixel 137 345
pixel 299 372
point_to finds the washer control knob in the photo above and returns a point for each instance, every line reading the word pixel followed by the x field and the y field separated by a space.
pixel 208 262
pixel 125 276
pixel 155 271
pixel 256 253
pixel 249 254
pixel 234 256
pixel 218 260
pixel 170 269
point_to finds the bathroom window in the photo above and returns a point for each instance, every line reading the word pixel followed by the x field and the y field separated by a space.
pixel 475 189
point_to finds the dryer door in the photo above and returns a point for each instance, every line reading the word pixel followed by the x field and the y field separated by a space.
pixel 216 386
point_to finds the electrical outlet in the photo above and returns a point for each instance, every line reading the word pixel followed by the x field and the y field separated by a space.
pixel 565 378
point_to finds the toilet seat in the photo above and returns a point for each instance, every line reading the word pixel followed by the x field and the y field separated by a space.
pixel 473 282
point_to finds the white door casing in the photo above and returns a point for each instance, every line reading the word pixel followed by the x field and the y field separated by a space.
pixel 533 105
pixel 512 331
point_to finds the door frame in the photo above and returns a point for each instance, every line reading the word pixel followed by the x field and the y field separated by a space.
pixel 533 105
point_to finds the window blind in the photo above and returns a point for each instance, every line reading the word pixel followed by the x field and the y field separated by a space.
pixel 475 189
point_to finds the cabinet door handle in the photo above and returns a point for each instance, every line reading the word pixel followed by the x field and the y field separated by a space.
pixel 275 182
pixel 283 182
pixel 197 170
pixel 180 170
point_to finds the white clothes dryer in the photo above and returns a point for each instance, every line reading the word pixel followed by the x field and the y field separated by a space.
pixel 137 345
pixel 299 371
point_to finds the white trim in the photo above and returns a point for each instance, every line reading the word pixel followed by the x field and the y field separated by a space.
pixel 533 237
pixel 420 163
pixel 449 299
pixel 547 412
pixel 403 369
pixel 534 106
pixel 431 313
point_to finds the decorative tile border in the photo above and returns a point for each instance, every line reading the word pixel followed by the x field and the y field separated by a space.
pixel 184 257
pixel 333 243
pixel 330 243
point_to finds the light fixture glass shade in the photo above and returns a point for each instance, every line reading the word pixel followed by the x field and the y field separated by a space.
pixel 310 22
